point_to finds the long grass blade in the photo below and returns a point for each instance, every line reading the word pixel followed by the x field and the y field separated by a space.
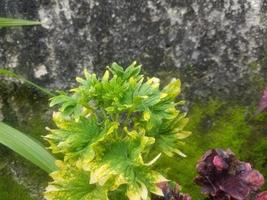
pixel 10 74
pixel 27 147
pixel 8 22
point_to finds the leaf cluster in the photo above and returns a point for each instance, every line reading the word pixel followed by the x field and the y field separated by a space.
pixel 111 130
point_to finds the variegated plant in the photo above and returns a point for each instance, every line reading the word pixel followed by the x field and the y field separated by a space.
pixel 111 131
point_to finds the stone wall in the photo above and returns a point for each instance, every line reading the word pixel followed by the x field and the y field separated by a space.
pixel 214 46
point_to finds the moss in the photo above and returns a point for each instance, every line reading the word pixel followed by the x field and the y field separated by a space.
pixel 257 155
pixel 10 190
pixel 254 65
pixel 257 143
pixel 218 124
pixel 27 111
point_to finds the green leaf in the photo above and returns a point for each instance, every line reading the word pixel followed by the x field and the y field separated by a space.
pixel 123 162
pixel 173 89
pixel 8 22
pixel 145 180
pixel 75 137
pixel 70 183
pixel 69 104
pixel 27 147
pixel 116 69
pixel 169 134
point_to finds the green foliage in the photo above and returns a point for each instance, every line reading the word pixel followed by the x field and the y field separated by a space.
pixel 72 183
pixel 9 22
pixel 215 124
pixel 27 147
pixel 111 131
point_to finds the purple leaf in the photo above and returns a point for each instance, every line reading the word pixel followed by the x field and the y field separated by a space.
pixel 172 192
pixel 223 177
pixel 263 101
pixel 262 196
pixel 219 163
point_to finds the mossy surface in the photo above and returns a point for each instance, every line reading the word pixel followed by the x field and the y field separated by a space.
pixel 256 151
pixel 28 112
pixel 10 189
pixel 213 125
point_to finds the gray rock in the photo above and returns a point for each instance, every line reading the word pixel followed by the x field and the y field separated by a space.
pixel 208 44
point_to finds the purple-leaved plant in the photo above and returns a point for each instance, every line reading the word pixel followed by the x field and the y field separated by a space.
pixel 223 177
pixel 263 101
pixel 172 192
pixel 262 196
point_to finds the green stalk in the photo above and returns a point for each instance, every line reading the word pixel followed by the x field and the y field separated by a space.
pixel 9 22
pixel 10 74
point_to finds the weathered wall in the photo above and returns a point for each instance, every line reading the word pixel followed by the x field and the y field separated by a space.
pixel 209 44
pixel 217 48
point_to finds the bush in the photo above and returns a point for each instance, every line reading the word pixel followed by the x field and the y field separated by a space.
pixel 111 130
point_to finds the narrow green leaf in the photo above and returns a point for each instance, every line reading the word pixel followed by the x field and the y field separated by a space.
pixel 27 147
pixel 8 22
pixel 7 73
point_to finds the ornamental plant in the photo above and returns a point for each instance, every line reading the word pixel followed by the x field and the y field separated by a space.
pixel 172 192
pixel 223 177
pixel 111 130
